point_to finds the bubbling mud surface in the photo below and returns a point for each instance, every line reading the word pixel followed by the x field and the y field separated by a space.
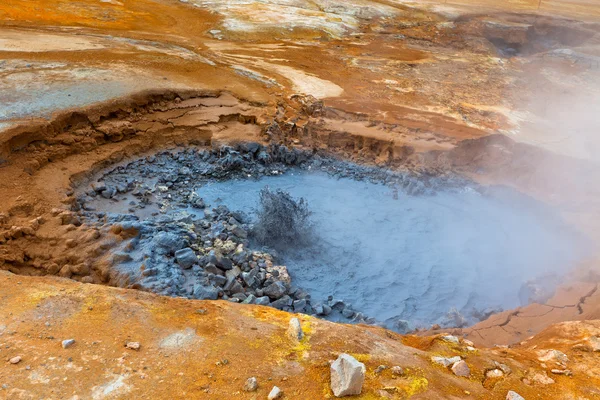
pixel 403 251
pixel 394 256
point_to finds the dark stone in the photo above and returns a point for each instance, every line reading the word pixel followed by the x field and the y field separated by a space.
pixel 280 304
pixel 275 290
pixel 186 258
pixel 206 292
pixel 216 258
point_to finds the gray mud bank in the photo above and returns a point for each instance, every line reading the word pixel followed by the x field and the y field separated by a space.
pixel 395 249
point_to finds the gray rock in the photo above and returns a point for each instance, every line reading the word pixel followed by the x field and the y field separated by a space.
pixel 186 258
pixel 275 290
pixel 348 312
pixel 461 368
pixel 68 343
pixel 212 269
pixel 397 371
pixel 219 280
pixel 167 243
pixel 294 330
pixel 263 301
pixel 285 301
pixel 206 292
pixel 215 257
pixel 514 396
pixel 240 296
pixel 233 286
pixel 239 232
pixel 275 393
pixel 299 305
pixel 347 376
pixel 251 299
pixel 251 385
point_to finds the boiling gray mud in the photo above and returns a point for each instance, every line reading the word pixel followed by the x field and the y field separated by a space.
pixel 397 248
pixel 399 257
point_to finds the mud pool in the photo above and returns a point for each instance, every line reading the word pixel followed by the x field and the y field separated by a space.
pixel 400 257
pixel 447 252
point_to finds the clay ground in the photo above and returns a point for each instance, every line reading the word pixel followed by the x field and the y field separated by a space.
pixel 427 88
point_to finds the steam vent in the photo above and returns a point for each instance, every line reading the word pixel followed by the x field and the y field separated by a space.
pixel 294 199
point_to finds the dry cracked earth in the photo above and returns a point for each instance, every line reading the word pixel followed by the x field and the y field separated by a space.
pixel 499 94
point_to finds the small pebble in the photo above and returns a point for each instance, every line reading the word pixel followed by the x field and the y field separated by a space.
pixel 68 343
pixel 15 360
pixel 133 345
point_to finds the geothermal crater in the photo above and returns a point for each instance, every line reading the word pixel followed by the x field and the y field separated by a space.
pixel 398 249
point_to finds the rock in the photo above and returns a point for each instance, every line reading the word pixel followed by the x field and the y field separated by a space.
pixel 566 372
pixel 15 360
pixel 380 369
pixel 251 385
pixel 186 258
pixel 542 379
pixel 68 343
pixel 263 301
pixel 294 330
pixel 552 355
pixel 205 292
pixel 461 368
pixel 251 299
pixel 133 345
pixel 494 373
pixel 348 312
pixel 167 243
pixel 505 368
pixel 275 393
pixel 514 396
pixel 215 257
pixel 397 371
pixel 347 376
pixel 239 232
pixel 285 301
pixel 595 343
pixel 299 305
pixel 450 339
pixel 446 362
pixel 275 290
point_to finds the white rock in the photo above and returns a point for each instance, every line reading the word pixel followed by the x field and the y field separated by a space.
pixel 133 345
pixel 552 355
pixel 514 396
pixel 295 329
pixel 275 393
pixel 461 368
pixel 446 362
pixel 397 371
pixel 68 343
pixel 450 338
pixel 347 376
pixel 494 373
